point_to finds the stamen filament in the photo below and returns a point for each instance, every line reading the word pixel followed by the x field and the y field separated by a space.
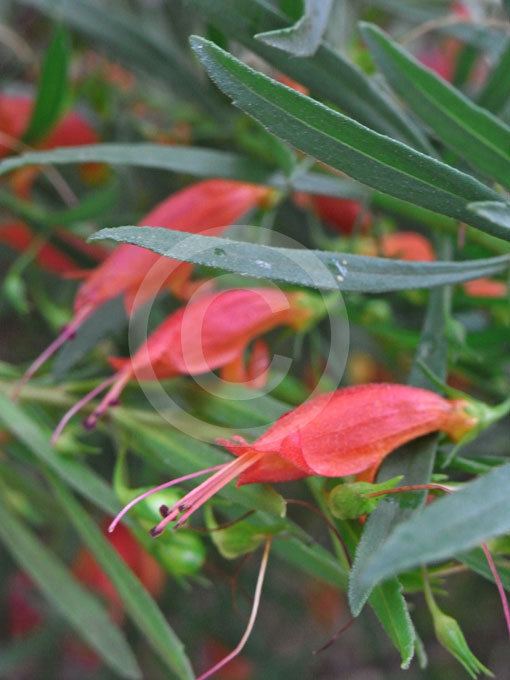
pixel 156 489
pixel 251 622
pixel 78 406
pixel 499 584
pixel 66 334
pixel 110 398
pixel 196 498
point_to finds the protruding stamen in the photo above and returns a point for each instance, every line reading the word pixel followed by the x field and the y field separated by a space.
pixel 164 510
pixel 78 406
pixel 196 498
pixel 251 622
pixel 161 487
pixel 110 399
pixel 67 333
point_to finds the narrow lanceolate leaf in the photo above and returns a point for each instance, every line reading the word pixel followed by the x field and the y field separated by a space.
pixel 335 139
pixel 304 37
pixel 495 93
pixel 415 461
pixel 53 88
pixel 472 132
pixel 451 525
pixel 327 73
pixel 80 608
pixel 71 470
pixel 137 602
pixel 311 268
pixel 189 160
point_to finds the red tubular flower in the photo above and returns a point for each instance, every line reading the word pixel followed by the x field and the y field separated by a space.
pixel 486 288
pixel 211 204
pixel 336 434
pixel 407 245
pixel 18 236
pixel 209 333
pixel 15 112
pixel 341 214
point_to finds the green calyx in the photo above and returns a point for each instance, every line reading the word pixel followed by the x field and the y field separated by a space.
pixel 349 501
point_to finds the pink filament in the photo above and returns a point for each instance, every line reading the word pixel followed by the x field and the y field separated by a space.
pixel 196 498
pixel 251 622
pixel 109 399
pixel 499 584
pixel 66 334
pixel 166 485
pixel 78 406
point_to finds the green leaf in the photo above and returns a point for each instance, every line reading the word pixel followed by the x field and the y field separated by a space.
pixel 72 471
pixel 324 270
pixel 304 37
pixel 53 88
pixel 328 74
pixel 137 602
pixel 495 92
pixel 81 609
pixel 415 461
pixel 391 609
pixel 335 139
pixel 453 524
pixel 473 133
pixel 189 160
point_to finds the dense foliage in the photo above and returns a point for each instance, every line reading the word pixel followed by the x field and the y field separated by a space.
pixel 264 241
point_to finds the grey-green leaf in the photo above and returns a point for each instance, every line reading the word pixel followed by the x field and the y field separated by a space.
pixel 327 73
pixel 472 132
pixel 81 609
pixel 189 160
pixel 453 524
pixel 304 37
pixel 137 602
pixel 335 139
pixel 311 268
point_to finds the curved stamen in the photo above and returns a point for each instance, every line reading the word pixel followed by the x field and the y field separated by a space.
pixel 78 406
pixel 196 498
pixel 110 398
pixel 161 487
pixel 251 622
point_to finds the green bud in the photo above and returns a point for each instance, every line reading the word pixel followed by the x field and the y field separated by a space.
pixel 182 553
pixel 349 501
pixel 451 637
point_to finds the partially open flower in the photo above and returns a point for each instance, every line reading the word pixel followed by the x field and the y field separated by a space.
pixel 212 332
